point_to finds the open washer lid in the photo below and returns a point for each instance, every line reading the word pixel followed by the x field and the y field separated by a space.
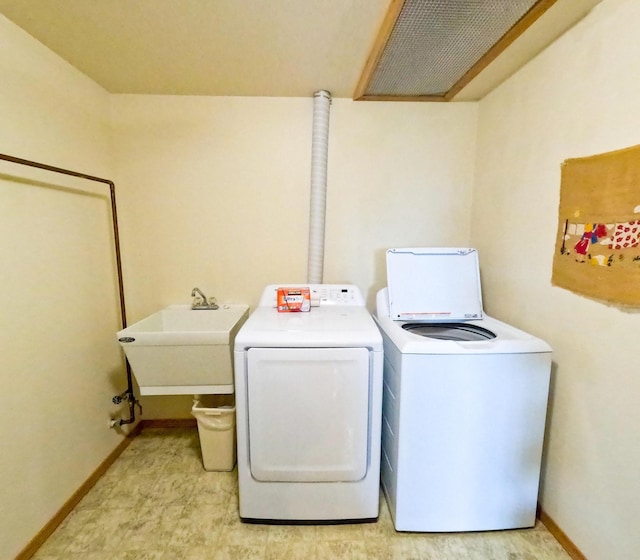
pixel 434 284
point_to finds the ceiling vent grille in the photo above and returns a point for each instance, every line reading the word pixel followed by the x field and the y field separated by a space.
pixel 430 49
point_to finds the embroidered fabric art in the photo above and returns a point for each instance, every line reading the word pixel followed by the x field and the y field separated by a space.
pixel 625 235
pixel 597 252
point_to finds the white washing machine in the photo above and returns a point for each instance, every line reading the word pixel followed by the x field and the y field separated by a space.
pixel 464 402
pixel 309 403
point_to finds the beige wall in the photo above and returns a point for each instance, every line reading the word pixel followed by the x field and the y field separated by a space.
pixel 215 194
pixel 579 97
pixel 59 365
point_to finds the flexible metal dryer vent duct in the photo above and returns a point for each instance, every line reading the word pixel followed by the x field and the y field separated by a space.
pixel 318 202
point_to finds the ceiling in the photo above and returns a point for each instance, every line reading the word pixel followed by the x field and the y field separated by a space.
pixel 281 48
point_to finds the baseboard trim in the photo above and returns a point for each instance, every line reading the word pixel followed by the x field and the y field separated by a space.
pixel 44 533
pixel 565 542
pixel 169 423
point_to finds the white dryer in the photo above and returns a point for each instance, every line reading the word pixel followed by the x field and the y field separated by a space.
pixel 309 402
pixel 464 403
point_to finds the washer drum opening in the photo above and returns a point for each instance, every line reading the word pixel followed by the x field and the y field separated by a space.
pixel 460 332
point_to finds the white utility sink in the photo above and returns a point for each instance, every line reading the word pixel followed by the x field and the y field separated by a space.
pixel 179 351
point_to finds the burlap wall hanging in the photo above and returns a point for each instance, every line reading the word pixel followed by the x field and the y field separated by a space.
pixel 597 251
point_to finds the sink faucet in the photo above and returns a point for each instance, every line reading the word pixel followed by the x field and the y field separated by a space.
pixel 202 302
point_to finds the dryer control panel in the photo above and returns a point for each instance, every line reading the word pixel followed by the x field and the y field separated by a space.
pixel 330 294
pixel 321 294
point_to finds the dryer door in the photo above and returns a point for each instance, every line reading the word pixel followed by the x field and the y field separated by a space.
pixel 308 413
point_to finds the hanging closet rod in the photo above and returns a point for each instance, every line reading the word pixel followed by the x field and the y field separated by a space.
pixel 128 394
pixel 114 214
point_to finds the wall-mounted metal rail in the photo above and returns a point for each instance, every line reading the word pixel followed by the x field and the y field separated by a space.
pixel 128 395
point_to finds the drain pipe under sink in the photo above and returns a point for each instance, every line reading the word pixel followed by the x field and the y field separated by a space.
pixel 317 206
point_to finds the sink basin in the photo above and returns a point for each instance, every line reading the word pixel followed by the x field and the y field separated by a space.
pixel 178 351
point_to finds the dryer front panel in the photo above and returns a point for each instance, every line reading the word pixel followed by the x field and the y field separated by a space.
pixel 308 413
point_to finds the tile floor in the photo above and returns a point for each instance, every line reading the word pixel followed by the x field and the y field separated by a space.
pixel 157 503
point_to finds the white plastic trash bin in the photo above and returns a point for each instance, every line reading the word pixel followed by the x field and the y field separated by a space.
pixel 217 431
